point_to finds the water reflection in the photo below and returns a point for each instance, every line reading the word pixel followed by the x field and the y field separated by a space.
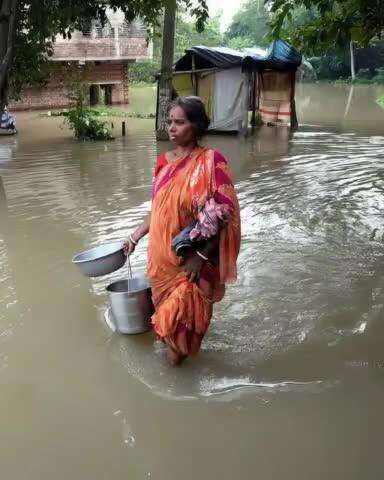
pixel 343 107
pixel 11 314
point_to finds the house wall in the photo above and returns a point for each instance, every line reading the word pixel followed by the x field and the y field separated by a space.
pixel 56 93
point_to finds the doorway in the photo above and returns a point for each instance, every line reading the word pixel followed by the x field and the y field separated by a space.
pixel 94 95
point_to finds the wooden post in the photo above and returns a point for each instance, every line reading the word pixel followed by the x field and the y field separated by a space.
pixel 194 76
pixel 294 122
pixel 253 118
pixel 165 80
pixel 123 129
pixel 245 105
pixel 157 105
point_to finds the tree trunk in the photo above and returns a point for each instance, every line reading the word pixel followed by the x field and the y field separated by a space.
pixel 353 71
pixel 165 81
pixel 8 12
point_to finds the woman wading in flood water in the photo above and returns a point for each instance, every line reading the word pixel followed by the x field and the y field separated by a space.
pixel 191 184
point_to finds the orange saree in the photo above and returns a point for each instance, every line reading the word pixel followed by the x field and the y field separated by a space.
pixel 183 310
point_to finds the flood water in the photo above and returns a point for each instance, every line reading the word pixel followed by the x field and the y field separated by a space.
pixel 290 380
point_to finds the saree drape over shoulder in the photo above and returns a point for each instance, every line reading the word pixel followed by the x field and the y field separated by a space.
pixel 180 189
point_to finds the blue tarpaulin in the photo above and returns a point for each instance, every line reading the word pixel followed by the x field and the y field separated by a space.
pixel 279 56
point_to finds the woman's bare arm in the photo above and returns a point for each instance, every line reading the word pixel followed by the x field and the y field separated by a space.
pixel 142 229
pixel 138 234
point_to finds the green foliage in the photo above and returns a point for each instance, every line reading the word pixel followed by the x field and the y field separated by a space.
pixel 30 64
pixel 379 78
pixel 249 27
pixel 362 81
pixel 371 57
pixel 327 23
pixel 83 121
pixel 238 43
pixel 380 101
pixel 332 66
pixel 106 111
pixel 143 71
pixel 363 74
pixel 325 28
pixel 187 35
pixel 335 63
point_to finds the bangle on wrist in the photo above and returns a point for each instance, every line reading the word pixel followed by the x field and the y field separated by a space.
pixel 132 240
pixel 202 256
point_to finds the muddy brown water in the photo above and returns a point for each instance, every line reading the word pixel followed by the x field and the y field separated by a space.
pixel 290 380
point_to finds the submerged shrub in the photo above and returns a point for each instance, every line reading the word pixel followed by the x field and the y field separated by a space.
pixel 83 121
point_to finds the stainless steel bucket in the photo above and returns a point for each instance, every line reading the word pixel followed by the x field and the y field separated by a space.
pixel 131 305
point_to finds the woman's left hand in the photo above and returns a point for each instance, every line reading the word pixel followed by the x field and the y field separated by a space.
pixel 192 267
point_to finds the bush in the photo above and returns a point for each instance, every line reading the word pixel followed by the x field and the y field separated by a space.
pixel 330 67
pixel 86 126
pixel 379 78
pixel 143 71
pixel 82 120
pixel 363 73
pixel 362 81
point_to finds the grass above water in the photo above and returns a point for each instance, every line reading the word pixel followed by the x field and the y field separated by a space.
pixel 142 104
pixel 106 111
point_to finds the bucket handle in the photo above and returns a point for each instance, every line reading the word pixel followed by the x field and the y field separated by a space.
pixel 129 268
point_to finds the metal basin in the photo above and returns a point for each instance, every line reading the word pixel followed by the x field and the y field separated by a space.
pixel 101 260
pixel 131 305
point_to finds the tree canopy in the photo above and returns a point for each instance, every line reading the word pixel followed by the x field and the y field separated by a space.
pixel 317 25
pixel 249 26
pixel 187 35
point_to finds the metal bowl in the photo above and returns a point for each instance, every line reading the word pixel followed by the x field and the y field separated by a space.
pixel 101 260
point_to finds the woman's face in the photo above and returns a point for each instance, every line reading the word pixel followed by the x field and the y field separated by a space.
pixel 180 130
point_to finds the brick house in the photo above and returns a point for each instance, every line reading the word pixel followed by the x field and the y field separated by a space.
pixel 103 52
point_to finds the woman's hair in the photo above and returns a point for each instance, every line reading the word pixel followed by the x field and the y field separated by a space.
pixel 194 110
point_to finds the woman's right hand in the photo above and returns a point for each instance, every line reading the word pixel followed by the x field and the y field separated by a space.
pixel 129 247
